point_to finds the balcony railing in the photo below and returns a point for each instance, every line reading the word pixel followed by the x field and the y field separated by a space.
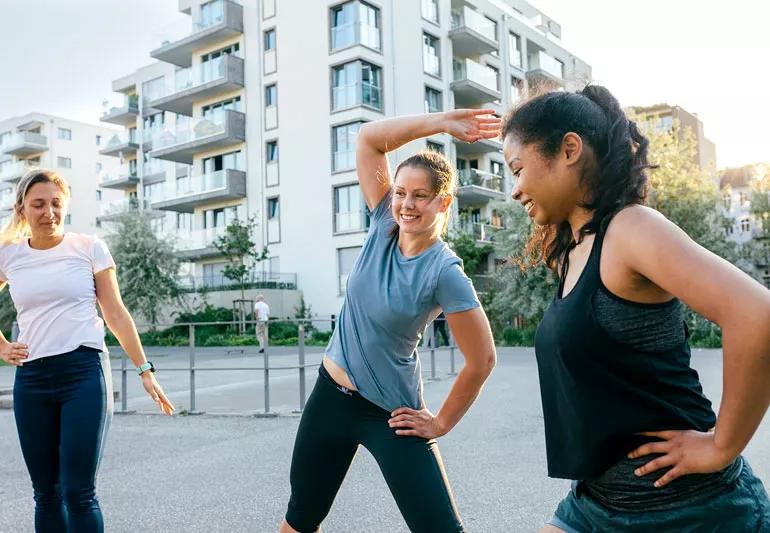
pixel 352 33
pixel 355 94
pixel 214 14
pixel 123 206
pixel 196 184
pixel 253 280
pixel 468 18
pixel 487 180
pixel 199 128
pixel 468 69
pixel 25 142
pixel 123 114
pixel 546 63
pixel 15 171
pixel 480 231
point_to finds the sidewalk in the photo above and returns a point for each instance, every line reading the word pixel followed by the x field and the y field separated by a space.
pixel 230 474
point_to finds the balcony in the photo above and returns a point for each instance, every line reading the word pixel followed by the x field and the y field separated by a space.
pixel 218 130
pixel 474 84
pixel 357 94
pixel 222 21
pixel 124 115
pixel 25 143
pixel 7 199
pixel 126 205
pixel 121 144
pixel 198 244
pixel 254 280
pixel 480 147
pixel 185 194
pixel 355 33
pixel 479 187
pixel 122 182
pixel 213 78
pixel 545 70
pixel 13 173
pixel 481 232
pixel 472 34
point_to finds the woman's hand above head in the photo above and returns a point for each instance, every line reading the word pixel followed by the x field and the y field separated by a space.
pixel 155 391
pixel 413 423
pixel 14 353
pixel 471 125
pixel 684 452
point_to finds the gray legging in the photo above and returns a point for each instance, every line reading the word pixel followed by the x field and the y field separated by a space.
pixel 333 425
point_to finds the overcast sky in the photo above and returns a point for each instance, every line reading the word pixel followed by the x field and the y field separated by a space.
pixel 60 56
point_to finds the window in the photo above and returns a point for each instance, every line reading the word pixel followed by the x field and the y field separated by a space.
pixel 64 162
pixel 68 219
pixel 728 200
pixel 435 147
pixel 228 161
pixel 496 73
pixel 213 274
pixel 65 134
pixel 496 167
pixel 344 146
pixel 346 258
pixel 430 10
pixel 268 9
pixel 492 25
pixel 269 40
pixel 153 89
pixel 219 218
pixel 433 100
pixel 271 95
pixel 211 13
pixel 273 220
pixel 514 49
pixel 184 221
pixel 350 213
pixel 154 191
pixel 271 151
pixel 233 49
pixel 98 195
pixel 355 23
pixel 745 225
pixel 356 83
pixel 430 55
pixel 215 111
pixel 98 140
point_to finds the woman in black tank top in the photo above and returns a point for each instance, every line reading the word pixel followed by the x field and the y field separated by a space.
pixel 625 415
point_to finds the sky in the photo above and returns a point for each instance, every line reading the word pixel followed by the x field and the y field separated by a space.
pixel 60 57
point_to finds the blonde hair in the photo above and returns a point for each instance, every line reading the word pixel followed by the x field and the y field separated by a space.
pixel 18 228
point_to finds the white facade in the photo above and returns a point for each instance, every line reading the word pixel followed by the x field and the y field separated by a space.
pixel 66 146
pixel 305 80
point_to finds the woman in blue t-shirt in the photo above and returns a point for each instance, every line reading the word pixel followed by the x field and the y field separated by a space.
pixel 369 391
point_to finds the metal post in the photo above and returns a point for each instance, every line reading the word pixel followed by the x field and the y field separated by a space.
pixel 433 350
pixel 301 338
pixel 192 367
pixel 267 376
pixel 123 384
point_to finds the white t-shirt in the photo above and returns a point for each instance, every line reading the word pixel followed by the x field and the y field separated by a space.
pixel 262 310
pixel 55 294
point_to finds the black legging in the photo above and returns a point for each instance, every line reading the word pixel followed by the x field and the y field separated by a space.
pixel 334 423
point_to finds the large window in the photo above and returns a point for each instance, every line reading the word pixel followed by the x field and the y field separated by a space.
pixel 273 220
pixel 184 221
pixel 433 100
pixel 355 23
pixel 496 73
pixel 219 218
pixel 211 13
pixel 344 146
pixel 430 55
pixel 64 162
pixel 270 40
pixel 514 49
pixel 356 83
pixel 271 151
pixel 346 258
pixel 219 107
pixel 350 213
pixel 65 134
pixel 229 161
pixel 271 95
pixel 430 10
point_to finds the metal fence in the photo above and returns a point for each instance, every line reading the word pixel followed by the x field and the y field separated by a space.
pixel 193 370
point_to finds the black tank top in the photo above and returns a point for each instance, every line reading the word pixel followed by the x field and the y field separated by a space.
pixel 598 391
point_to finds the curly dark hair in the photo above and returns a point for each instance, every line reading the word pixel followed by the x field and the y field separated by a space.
pixel 617 177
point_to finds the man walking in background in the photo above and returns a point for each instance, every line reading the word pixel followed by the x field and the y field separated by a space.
pixel 262 313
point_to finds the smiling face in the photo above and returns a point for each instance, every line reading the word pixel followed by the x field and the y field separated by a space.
pixel 549 189
pixel 44 208
pixel 416 207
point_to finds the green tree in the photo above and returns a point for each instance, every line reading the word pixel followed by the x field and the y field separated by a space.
pixel 147 267
pixel 757 249
pixel 7 311
pixel 238 247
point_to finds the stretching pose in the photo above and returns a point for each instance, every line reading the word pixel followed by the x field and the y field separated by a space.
pixel 62 394
pixel 625 414
pixel 369 391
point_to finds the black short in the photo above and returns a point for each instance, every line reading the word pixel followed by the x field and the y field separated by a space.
pixel 333 425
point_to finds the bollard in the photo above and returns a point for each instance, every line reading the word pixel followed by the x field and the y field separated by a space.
pixel 267 376
pixel 301 338
pixel 433 350
pixel 123 384
pixel 192 368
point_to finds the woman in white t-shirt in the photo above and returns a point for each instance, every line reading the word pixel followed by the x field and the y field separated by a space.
pixel 62 391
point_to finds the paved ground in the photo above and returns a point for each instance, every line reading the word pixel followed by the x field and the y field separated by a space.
pixel 230 474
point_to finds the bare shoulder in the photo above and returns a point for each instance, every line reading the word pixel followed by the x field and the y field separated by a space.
pixel 638 227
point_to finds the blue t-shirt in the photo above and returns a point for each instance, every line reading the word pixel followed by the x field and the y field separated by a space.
pixel 390 299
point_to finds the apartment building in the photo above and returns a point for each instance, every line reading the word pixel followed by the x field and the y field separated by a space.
pixel 260 103
pixel 661 118
pixel 69 147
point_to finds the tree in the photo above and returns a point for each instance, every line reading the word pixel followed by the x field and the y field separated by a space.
pixel 7 311
pixel 147 267
pixel 757 250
